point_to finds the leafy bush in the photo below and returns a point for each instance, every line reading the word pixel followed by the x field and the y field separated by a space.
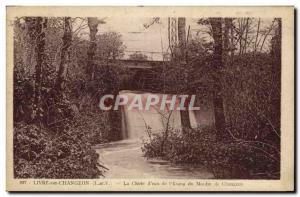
pixel 237 159
pixel 41 153
pixel 95 127
pixel 252 98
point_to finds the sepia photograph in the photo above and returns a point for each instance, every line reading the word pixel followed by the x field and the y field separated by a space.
pixel 104 98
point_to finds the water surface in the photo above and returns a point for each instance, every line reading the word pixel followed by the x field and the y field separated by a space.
pixel 124 158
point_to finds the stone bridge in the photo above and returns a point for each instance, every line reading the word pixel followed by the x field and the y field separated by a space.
pixel 146 74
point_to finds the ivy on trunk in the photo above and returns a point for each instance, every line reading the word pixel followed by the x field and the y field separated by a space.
pixel 216 24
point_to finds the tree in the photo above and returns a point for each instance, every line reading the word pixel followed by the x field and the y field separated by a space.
pixel 65 55
pixel 184 114
pixel 228 30
pixel 39 34
pixel 216 25
pixel 257 33
pixel 93 26
pixel 109 46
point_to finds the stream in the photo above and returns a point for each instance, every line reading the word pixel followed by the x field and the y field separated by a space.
pixel 124 158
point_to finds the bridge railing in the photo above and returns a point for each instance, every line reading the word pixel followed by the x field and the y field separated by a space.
pixel 150 55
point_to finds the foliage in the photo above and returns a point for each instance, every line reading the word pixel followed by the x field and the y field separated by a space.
pixel 59 143
pixel 41 153
pixel 249 93
pixel 110 46
pixel 238 159
pixel 253 122
pixel 79 91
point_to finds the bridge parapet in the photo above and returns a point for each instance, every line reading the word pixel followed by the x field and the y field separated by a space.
pixel 140 64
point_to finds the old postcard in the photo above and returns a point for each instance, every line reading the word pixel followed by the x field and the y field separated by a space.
pixel 150 98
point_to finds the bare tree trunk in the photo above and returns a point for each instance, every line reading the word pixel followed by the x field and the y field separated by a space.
pixel 232 47
pixel 93 26
pixel 65 55
pixel 29 41
pixel 256 38
pixel 266 35
pixel 216 24
pixel 226 40
pixel 184 114
pixel 40 25
pixel 241 35
pixel 246 36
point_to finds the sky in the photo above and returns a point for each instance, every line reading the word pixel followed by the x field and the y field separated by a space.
pixel 137 38
pixel 153 39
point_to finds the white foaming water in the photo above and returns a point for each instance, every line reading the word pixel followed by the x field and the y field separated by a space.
pixel 135 121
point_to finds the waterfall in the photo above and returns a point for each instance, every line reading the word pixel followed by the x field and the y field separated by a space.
pixel 134 121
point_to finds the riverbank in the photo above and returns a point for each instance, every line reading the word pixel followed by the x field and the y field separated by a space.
pixel 234 159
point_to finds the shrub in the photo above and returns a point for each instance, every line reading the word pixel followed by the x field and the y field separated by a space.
pixel 252 98
pixel 237 159
pixel 41 153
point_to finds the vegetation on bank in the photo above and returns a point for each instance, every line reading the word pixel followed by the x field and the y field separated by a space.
pixel 57 85
pixel 251 149
pixel 237 159
pixel 238 75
